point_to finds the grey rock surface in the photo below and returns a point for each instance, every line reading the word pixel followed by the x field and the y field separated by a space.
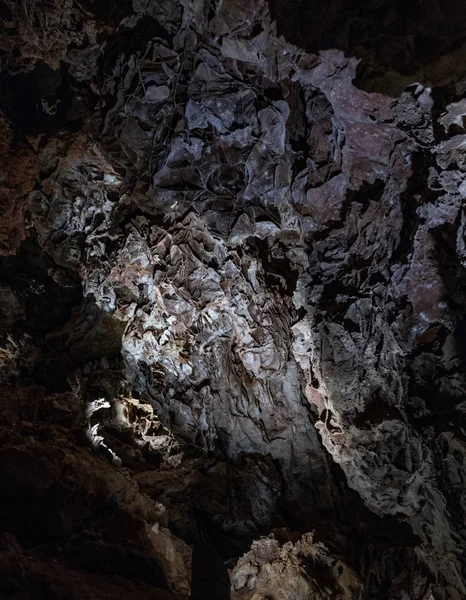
pixel 258 269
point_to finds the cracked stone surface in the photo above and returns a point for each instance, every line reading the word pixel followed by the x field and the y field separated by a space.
pixel 233 287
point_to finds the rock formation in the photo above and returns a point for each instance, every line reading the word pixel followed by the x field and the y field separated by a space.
pixel 233 285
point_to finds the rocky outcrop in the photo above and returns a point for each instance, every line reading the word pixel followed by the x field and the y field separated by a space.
pixel 284 568
pixel 398 43
pixel 233 290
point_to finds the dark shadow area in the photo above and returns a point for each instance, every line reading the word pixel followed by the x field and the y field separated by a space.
pixel 109 11
pixel 38 101
pixel 53 327
pixel 387 35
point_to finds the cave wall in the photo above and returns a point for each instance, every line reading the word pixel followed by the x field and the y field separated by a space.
pixel 238 280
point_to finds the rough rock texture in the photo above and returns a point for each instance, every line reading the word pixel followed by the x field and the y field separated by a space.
pixel 289 569
pixel 232 296
pixel 398 42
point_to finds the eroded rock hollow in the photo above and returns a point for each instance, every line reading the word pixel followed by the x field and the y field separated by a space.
pixel 233 290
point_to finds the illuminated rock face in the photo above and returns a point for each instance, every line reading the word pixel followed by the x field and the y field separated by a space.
pixel 233 286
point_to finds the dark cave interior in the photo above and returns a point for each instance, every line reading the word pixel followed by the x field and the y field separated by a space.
pixel 232 272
